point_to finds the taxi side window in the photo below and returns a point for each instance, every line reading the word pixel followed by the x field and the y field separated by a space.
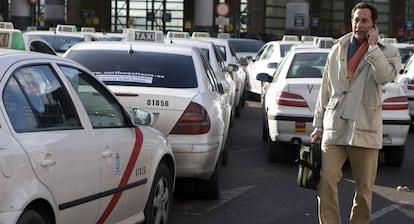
pixel 210 74
pixel 35 100
pixel 102 108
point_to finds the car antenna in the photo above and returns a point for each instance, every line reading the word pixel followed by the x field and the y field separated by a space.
pixel 130 51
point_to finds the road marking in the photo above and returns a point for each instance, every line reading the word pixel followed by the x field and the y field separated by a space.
pixel 385 211
pixel 244 150
pixel 198 207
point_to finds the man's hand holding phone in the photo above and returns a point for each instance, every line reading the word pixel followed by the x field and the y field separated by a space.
pixel 372 35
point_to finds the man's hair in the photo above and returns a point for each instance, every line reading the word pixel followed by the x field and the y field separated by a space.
pixel 366 5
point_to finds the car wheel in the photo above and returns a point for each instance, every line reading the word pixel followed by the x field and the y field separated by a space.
pixel 243 99
pixel 29 217
pixel 158 207
pixel 238 109
pixel 210 188
pixel 394 156
pixel 265 128
pixel 232 117
pixel 225 154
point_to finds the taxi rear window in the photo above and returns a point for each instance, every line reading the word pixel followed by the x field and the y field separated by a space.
pixel 139 68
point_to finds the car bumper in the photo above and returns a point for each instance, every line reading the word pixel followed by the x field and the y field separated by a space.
pixel 395 132
pixel 290 129
pixel 195 160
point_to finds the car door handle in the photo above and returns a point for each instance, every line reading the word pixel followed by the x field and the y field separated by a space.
pixel 47 162
pixel 107 154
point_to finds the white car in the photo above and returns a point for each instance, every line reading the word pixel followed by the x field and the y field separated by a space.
pixel 239 74
pixel 71 153
pixel 290 100
pixel 219 67
pixel 266 61
pixel 14 39
pixel 61 41
pixel 178 85
pixel 246 48
pixel 406 51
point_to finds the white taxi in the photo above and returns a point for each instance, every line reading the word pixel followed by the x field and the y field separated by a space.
pixel 218 65
pixel 14 39
pixel 238 74
pixel 290 99
pixel 266 61
pixel 71 153
pixel 179 86
pixel 61 40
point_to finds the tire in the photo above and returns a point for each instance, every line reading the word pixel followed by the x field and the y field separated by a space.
pixel 210 189
pixel 158 207
pixel 265 128
pixel 232 117
pixel 225 155
pixel 30 217
pixel 394 156
pixel 237 112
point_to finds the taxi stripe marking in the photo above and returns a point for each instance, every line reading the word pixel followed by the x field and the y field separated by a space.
pixel 125 177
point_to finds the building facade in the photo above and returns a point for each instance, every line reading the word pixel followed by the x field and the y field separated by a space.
pixel 253 18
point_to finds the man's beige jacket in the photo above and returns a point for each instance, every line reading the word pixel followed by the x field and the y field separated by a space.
pixel 350 111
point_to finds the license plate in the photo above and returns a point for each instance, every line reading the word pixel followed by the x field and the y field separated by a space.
pixel 386 139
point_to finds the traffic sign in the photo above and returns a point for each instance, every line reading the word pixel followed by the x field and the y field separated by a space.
pixel 222 9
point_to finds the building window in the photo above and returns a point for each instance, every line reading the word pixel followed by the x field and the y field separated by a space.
pixel 145 14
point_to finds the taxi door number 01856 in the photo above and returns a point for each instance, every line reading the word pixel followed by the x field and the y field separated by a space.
pixel 161 103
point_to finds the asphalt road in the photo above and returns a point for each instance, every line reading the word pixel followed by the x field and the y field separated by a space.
pixel 256 191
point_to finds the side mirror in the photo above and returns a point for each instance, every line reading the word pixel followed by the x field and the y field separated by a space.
pixel 221 89
pixel 264 77
pixel 232 68
pixel 142 117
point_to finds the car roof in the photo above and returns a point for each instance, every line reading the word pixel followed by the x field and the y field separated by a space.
pixel 192 42
pixel 138 46
pixel 51 33
pixel 9 56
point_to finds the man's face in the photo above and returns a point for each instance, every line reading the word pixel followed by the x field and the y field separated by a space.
pixel 361 23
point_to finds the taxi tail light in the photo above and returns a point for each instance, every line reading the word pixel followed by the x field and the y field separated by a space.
pixel 395 103
pixel 194 120
pixel 411 84
pixel 290 99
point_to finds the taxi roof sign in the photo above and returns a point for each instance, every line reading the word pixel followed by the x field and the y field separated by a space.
pixel 200 34
pixel 6 25
pixel 144 35
pixel 11 38
pixel 88 29
pixel 178 35
pixel 66 28
pixel 290 38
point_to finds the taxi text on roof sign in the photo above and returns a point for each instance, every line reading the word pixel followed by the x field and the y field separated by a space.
pixel 66 28
pixel 6 25
pixel 178 35
pixel 11 38
pixel 4 39
pixel 144 35
pixel 149 36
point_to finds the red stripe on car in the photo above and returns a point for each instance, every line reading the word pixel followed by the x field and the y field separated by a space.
pixel 125 177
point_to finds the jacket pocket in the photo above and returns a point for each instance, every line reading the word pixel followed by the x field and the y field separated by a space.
pixel 331 114
pixel 369 118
